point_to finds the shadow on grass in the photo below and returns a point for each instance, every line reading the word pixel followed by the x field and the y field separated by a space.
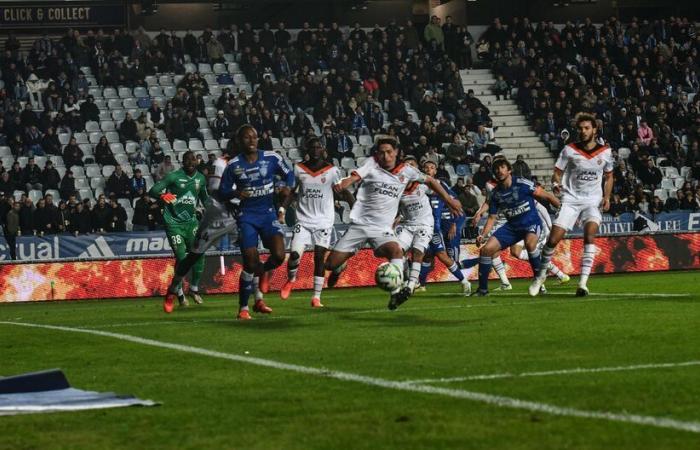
pixel 407 320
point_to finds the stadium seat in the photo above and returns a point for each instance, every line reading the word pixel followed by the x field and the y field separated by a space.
pixel 57 160
pixel 219 68
pixel 95 137
pixel 22 160
pixel 5 151
pixel 104 115
pixel 110 93
pixel 667 183
pixel 123 160
pixel 112 136
pixel 289 142
pixel 179 145
pixel 132 147
pixel 150 81
pixel 91 126
pixel 165 80
pixel 130 103
pixel 140 92
pixel 86 194
pixel 234 68
pixel 40 161
pixel 118 115
pixel 61 171
pixel 686 172
pixel 81 183
pixel 63 138
pixel 96 92
pixel 78 171
pixel 86 148
pixel 294 154
pixel 155 91
pixel 124 92
pixel 35 195
pixel 204 68
pixel 169 91
pixel 93 172
pixel 17 195
pixel 117 148
pixel 81 138
pixel 348 163
pixel 126 204
pixel 107 170
pixel 97 182
pixel 661 193
pixel 107 125
pixel 7 161
pixel 211 144
pixel 678 182
pixel 276 143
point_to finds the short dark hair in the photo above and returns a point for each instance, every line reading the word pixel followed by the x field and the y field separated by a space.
pixel 388 141
pixel 501 162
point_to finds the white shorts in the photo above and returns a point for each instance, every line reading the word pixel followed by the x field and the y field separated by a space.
pixel 304 237
pixel 216 223
pixel 570 212
pixel 414 236
pixel 357 235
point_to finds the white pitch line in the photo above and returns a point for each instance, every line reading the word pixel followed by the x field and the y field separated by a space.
pixel 577 370
pixel 331 312
pixel 494 400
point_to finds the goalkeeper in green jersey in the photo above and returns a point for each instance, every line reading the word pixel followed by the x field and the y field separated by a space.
pixel 179 191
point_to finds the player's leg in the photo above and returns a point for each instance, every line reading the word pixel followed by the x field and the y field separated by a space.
pixel 273 240
pixel 389 248
pixel 354 238
pixel 455 270
pixel 300 239
pixel 248 239
pixel 486 253
pixel 197 267
pixel 533 252
pixel 568 214
pixel 591 219
pixel 319 275
pixel 500 268
pixel 519 251
pixel 176 238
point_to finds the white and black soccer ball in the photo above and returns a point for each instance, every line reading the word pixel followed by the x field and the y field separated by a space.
pixel 388 276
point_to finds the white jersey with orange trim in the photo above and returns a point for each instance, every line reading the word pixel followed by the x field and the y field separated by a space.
pixel 379 194
pixel 415 208
pixel 217 220
pixel 315 208
pixel 583 170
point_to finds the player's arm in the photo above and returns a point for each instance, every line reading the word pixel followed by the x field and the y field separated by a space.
pixel 487 229
pixel 556 180
pixel 480 212
pixel 160 189
pixel 543 196
pixel 452 203
pixel 345 196
pixel 346 182
pixel 607 190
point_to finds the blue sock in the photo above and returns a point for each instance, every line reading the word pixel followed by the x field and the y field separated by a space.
pixel 245 289
pixel 535 260
pixel 469 262
pixel 424 272
pixel 456 271
pixel 484 270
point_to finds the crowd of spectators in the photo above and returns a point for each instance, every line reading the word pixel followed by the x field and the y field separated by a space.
pixel 639 78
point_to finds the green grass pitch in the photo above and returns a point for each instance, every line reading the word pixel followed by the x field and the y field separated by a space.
pixel 617 370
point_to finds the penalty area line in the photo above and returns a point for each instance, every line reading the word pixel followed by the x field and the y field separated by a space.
pixel 493 400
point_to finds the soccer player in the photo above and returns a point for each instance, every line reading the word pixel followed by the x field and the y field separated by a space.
pixel 250 177
pixel 179 191
pixel 514 198
pixel 315 213
pixel 579 172
pixel 217 221
pixel 383 179
pixel 519 251
pixel 436 245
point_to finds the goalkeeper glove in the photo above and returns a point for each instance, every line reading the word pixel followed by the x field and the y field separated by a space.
pixel 168 197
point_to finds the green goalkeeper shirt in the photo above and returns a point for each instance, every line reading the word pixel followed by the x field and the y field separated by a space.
pixel 187 189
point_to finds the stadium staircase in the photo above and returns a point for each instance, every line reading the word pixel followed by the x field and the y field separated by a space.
pixel 514 134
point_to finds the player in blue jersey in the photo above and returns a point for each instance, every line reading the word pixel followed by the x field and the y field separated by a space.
pixel 514 198
pixel 251 176
pixel 437 248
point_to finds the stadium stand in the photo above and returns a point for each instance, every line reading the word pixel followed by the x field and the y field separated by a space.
pixel 99 107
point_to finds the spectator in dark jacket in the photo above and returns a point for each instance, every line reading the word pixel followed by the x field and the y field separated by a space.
pixel 101 215
pixel 50 178
pixel 67 187
pixel 6 186
pixel 50 142
pixel 72 154
pixel 128 130
pixel 649 175
pixel 117 216
pixel 81 220
pixel 103 153
pixel 89 110
pixel 138 184
pixel 26 218
pixel 118 184
pixel 12 228
pixel 32 176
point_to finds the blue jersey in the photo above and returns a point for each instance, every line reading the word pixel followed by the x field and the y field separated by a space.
pixel 258 179
pixel 438 205
pixel 516 203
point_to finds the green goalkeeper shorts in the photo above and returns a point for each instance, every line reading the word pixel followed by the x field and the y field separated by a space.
pixel 181 238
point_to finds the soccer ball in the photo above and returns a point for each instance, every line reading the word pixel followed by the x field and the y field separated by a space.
pixel 388 276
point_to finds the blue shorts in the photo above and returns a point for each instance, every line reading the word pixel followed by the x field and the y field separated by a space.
pixel 508 235
pixel 437 244
pixel 254 227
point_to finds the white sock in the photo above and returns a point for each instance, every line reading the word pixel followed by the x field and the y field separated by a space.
pixel 293 268
pixel 256 289
pixel 180 291
pixel 318 286
pixel 414 275
pixel 524 255
pixel 500 269
pixel 547 253
pixel 194 288
pixel 587 263
pixel 556 271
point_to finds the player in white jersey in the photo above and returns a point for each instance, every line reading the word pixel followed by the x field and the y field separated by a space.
pixel 416 230
pixel 581 168
pixel 383 179
pixel 217 221
pixel 315 213
pixel 519 251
